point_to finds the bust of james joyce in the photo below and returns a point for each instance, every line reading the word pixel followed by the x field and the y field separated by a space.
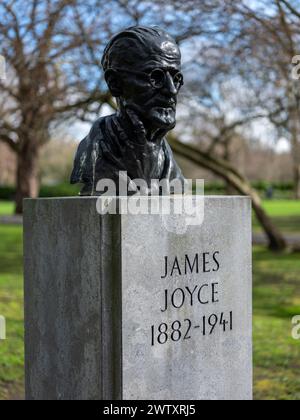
pixel 142 68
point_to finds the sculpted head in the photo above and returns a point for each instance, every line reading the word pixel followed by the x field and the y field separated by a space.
pixel 143 71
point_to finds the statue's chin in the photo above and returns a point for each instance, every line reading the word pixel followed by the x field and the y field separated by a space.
pixel 162 118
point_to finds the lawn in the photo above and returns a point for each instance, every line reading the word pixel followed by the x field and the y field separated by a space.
pixel 11 306
pixel 285 215
pixel 6 207
pixel 276 301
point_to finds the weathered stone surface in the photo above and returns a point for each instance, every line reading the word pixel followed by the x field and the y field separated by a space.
pixel 95 300
pixel 72 300
pixel 217 365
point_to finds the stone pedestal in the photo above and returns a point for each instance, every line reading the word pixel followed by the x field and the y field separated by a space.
pixel 132 307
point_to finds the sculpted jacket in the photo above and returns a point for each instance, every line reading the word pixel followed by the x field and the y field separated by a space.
pixel 116 144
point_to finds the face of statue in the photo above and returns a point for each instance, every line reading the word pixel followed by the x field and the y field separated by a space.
pixel 151 86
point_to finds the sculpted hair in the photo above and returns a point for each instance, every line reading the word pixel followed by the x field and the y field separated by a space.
pixel 135 44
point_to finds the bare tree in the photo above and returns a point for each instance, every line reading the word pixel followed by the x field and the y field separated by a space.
pixel 52 74
pixel 268 40
pixel 52 50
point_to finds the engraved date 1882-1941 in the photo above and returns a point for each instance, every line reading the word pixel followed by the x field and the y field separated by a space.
pixel 183 330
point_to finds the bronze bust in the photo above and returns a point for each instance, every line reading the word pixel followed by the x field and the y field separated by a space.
pixel 142 68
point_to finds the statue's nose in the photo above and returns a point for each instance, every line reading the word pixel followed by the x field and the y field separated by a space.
pixel 169 85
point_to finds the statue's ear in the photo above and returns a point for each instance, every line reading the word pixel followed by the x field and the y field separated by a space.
pixel 114 82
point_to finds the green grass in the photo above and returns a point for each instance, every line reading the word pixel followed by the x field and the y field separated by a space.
pixel 6 208
pixel 285 215
pixel 282 208
pixel 276 300
pixel 11 307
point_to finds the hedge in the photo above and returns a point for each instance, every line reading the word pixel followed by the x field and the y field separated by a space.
pixel 62 190
pixel 66 190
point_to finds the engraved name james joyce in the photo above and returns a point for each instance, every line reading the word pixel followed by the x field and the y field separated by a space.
pixel 189 295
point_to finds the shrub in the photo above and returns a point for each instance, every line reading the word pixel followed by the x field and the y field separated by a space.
pixel 60 190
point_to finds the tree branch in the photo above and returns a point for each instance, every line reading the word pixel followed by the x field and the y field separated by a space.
pixel 291 8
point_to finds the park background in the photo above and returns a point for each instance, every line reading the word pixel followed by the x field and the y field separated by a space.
pixel 238 129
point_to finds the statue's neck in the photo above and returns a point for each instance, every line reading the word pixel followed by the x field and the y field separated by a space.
pixel 137 130
pixel 144 159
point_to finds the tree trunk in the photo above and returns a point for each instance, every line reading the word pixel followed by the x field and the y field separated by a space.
pixel 294 125
pixel 27 182
pixel 297 180
pixel 230 175
pixel 229 189
pixel 277 242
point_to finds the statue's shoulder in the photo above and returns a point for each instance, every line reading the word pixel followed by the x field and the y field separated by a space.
pixel 97 129
pixel 86 150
